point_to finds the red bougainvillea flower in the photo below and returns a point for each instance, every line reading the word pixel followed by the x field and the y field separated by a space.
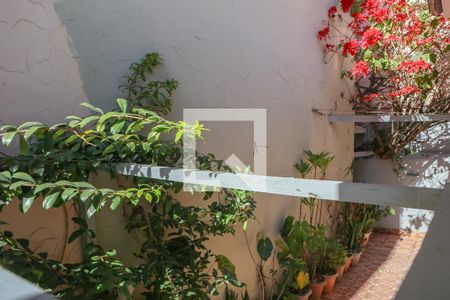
pixel 350 47
pixel 357 25
pixel 371 37
pixel 403 91
pixel 346 5
pixel 371 6
pixel 361 68
pixel 330 47
pixel 370 97
pixel 332 12
pixel 390 38
pixel 380 15
pixel 414 66
pixel 323 34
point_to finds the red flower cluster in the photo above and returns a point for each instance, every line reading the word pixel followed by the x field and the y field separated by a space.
pixel 350 47
pixel 371 37
pixel 346 5
pixel 380 15
pixel 403 91
pixel 370 97
pixel 332 12
pixel 323 34
pixel 414 66
pixel 386 38
pixel 361 68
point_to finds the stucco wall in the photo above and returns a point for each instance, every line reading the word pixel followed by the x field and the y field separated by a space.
pixel 226 54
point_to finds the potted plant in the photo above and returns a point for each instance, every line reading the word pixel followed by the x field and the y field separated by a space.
pixel 302 281
pixel 295 278
pixel 309 244
pixel 313 253
pixel 298 288
pixel 356 237
pixel 348 262
pixel 351 223
pixel 333 265
pixel 372 214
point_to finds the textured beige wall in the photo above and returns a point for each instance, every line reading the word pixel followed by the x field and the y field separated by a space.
pixel 226 54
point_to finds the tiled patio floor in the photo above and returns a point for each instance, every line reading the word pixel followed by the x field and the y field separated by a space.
pixel 381 270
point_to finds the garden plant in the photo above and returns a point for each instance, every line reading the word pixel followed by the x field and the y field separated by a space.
pixel 54 165
pixel 396 53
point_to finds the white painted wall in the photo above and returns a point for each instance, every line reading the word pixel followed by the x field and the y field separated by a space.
pixel 421 170
pixel 226 54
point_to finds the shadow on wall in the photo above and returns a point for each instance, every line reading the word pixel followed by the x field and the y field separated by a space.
pixel 421 170
pixel 105 39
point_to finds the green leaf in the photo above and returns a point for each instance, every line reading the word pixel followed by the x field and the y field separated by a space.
pixel 115 202
pixel 24 243
pixel 80 221
pixel 23 145
pixel 84 185
pixel 69 194
pixel 5 176
pixel 23 176
pixel 179 135
pixel 32 130
pixel 123 104
pixel 8 137
pixel 18 184
pixel 91 107
pixel 76 234
pixel 29 124
pixel 87 120
pixel 91 211
pixel 42 187
pixel 117 127
pixel 433 58
pixel 226 266
pixel 50 200
pixel 26 202
pixel 265 248
pixel 85 195
pixel 105 191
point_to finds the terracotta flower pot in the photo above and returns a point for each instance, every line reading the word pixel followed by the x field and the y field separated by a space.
pixel 348 261
pixel 304 296
pixel 356 258
pixel 366 239
pixel 340 272
pixel 330 280
pixel 316 289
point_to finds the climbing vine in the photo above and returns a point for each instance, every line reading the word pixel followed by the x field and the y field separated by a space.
pixel 55 164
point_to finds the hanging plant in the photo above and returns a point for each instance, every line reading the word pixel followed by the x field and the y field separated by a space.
pixel 397 56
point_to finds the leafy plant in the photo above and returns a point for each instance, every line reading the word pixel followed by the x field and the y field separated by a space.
pixel 335 256
pixel 55 163
pixel 354 220
pixel 399 55
pixel 302 245
pixel 315 163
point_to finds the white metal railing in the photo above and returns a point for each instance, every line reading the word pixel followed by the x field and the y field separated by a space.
pixel 389 195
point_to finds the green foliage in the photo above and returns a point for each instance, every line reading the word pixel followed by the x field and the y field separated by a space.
pixel 354 220
pixel 335 256
pixel 155 95
pixel 265 248
pixel 302 247
pixel 55 163
pixel 315 162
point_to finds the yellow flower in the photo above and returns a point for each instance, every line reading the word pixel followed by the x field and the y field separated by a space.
pixel 302 279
